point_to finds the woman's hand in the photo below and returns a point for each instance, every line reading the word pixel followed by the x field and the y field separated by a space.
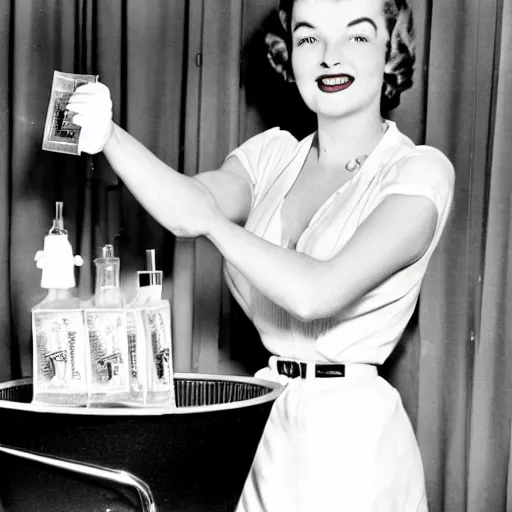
pixel 93 108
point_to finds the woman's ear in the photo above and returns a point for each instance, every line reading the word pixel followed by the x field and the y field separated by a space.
pixel 277 50
pixel 277 54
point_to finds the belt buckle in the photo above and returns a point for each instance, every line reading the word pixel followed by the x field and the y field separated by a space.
pixel 291 369
pixel 330 370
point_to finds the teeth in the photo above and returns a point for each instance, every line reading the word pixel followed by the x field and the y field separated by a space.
pixel 338 80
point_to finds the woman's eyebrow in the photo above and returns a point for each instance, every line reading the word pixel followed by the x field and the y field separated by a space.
pixel 301 24
pixel 363 20
pixel 357 21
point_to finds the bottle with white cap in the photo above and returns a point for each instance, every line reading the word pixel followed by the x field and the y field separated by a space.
pixel 154 348
pixel 59 369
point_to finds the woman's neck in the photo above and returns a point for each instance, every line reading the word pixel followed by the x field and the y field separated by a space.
pixel 340 140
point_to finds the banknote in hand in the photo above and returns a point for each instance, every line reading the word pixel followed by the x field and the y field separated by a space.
pixel 60 134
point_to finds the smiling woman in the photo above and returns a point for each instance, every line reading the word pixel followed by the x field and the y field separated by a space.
pixel 400 45
pixel 326 241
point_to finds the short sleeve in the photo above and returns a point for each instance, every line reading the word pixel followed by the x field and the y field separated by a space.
pixel 424 172
pixel 265 153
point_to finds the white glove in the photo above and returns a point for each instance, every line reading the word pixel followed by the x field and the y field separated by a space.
pixel 93 108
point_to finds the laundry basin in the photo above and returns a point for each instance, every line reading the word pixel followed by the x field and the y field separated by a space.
pixel 192 458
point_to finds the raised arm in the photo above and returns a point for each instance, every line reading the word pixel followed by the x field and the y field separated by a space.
pixel 153 182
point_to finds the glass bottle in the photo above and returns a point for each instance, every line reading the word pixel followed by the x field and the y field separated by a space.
pixel 59 368
pixel 106 329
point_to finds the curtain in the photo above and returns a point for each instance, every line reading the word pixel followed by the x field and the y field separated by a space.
pixel 468 53
pixel 5 135
pixel 490 461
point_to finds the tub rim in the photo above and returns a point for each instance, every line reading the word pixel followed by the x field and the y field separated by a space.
pixel 274 387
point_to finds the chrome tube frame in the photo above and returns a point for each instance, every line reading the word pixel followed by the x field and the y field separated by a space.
pixel 112 475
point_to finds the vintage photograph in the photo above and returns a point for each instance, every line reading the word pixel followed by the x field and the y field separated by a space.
pixel 256 256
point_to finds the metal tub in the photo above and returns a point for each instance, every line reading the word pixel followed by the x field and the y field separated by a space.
pixel 194 458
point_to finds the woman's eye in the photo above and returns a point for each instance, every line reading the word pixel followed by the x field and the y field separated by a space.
pixel 306 40
pixel 359 39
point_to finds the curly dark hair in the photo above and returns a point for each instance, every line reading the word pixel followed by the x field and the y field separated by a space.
pixel 400 54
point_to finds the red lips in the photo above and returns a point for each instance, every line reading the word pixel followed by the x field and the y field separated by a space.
pixel 334 83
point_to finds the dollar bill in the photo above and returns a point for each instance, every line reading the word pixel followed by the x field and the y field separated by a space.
pixel 60 134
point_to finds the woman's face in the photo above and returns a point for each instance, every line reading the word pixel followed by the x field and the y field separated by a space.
pixel 338 54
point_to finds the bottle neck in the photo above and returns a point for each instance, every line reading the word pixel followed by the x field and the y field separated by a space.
pixel 59 294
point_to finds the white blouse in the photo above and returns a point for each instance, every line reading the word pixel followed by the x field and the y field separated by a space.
pixel 368 330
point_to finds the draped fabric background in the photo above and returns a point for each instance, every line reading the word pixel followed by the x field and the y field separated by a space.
pixel 490 461
pixel 189 79
pixel 462 342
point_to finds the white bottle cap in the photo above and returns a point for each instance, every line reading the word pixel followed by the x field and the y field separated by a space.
pixel 58 262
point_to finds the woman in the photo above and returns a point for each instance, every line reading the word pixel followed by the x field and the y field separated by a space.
pixel 338 229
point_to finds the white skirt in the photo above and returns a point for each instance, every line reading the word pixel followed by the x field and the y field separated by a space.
pixel 336 444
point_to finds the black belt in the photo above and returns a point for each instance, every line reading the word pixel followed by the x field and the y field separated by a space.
pixel 294 369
